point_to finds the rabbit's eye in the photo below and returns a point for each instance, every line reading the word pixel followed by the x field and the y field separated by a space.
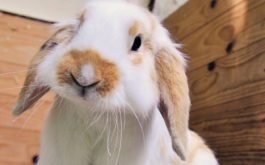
pixel 137 43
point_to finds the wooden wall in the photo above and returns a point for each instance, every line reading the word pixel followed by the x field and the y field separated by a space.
pixel 225 40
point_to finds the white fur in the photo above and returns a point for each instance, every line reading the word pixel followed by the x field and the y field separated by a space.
pixel 205 158
pixel 124 127
pixel 101 139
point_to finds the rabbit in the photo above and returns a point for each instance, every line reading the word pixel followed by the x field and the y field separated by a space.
pixel 122 96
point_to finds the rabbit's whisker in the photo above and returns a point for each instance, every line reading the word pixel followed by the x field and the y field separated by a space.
pixel 15 72
pixel 108 138
pixel 17 87
pixel 116 132
pixel 140 125
pixel 121 127
pixel 102 132
pixel 95 120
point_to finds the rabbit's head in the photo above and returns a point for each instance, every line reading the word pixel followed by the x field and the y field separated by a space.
pixel 115 55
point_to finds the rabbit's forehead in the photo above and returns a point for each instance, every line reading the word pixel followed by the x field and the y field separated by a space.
pixel 107 27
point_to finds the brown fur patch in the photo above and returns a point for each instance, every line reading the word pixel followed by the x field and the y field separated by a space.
pixel 137 29
pixel 148 46
pixel 134 29
pixel 82 16
pixel 136 59
pixel 106 71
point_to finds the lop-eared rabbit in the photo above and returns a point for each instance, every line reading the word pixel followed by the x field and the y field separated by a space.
pixel 122 96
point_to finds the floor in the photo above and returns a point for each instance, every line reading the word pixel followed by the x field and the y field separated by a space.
pixel 20 38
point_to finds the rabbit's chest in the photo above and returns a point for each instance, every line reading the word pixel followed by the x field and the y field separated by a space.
pixel 104 140
pixel 130 141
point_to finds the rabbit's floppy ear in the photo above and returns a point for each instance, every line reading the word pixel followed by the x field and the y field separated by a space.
pixel 33 88
pixel 174 94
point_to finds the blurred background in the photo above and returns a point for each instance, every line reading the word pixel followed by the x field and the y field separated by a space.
pixel 225 42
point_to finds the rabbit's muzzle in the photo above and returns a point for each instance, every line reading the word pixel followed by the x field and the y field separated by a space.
pixel 86 71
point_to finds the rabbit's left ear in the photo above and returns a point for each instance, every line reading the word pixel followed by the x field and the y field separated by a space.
pixel 174 95
pixel 33 88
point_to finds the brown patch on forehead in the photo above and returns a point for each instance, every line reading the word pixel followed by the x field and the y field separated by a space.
pixel 106 71
pixel 137 28
pixel 134 29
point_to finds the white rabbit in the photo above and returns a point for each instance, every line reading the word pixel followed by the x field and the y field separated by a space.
pixel 114 68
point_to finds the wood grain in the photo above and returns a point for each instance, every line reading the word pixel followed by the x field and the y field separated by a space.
pixel 20 38
pixel 234 77
pixel 18 148
pixel 226 75
pixel 210 41
pixel 235 130
pixel 200 12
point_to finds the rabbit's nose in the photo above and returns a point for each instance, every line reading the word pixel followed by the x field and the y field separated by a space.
pixel 83 84
pixel 85 78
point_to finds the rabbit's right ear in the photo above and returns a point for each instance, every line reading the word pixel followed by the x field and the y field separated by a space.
pixel 174 92
pixel 33 89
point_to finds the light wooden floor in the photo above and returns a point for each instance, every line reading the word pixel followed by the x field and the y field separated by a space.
pixel 20 38
pixel 226 44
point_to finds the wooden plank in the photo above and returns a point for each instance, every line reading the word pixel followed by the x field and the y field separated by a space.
pixel 18 148
pixel 196 14
pixel 235 130
pixel 226 75
pixel 236 76
pixel 230 32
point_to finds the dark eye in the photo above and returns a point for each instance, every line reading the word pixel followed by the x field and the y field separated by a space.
pixel 137 43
